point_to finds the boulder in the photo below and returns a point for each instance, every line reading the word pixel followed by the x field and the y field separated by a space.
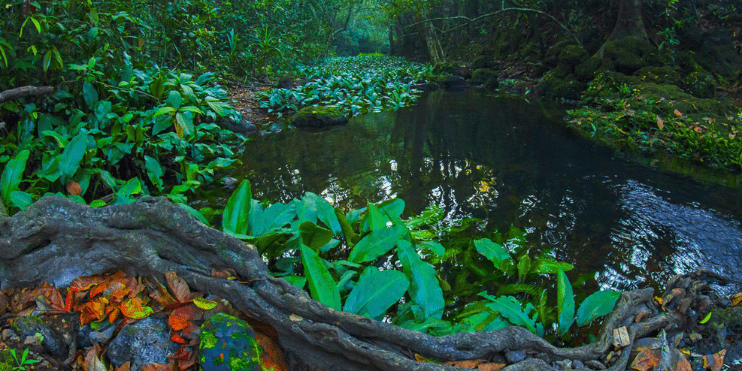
pixel 228 344
pixel 318 117
pixel 142 343
pixel 454 83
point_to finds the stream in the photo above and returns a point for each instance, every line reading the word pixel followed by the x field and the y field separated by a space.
pixel 511 162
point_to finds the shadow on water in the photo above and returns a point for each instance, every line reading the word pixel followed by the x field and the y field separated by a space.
pixel 512 163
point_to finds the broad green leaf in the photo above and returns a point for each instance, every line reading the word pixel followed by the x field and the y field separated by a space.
pixel 314 236
pixel 434 247
pixel 131 187
pixel 13 174
pixel 297 281
pixel 524 266
pixel 164 110
pixel 274 217
pixel 375 220
pixel 221 108
pixel 375 292
pixel 326 213
pixel 348 232
pixel 174 99
pixel 184 120
pixel 492 251
pixel 195 213
pixel 549 266
pixel 424 287
pixel 306 209
pixel 237 209
pixel 596 305
pixel 20 199
pixel 154 171
pixel 373 245
pixel 393 208
pixel 321 284
pixel 510 308
pixel 90 95
pixel 72 155
pixel 565 302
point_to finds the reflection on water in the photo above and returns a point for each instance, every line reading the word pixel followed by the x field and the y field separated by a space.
pixel 511 163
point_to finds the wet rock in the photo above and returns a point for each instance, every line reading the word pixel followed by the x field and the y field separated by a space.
pixel 102 335
pixel 228 343
pixel 141 343
pixel 83 337
pixel 515 356
pixel 454 83
pixel 595 364
pixel 243 127
pixel 52 342
pixel 318 117
pixel 486 78
pixel 9 334
pixel 463 72
pixel 577 364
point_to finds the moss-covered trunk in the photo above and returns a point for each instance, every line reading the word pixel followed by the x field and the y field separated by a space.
pixel 629 21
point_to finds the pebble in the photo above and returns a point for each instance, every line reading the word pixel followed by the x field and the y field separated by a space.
pixel 515 356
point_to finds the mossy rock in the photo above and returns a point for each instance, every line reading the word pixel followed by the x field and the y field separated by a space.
pixel 586 70
pixel 628 54
pixel 572 55
pixel 485 77
pixel 228 344
pixel 318 117
pixel 485 62
pixel 445 68
pixel 701 84
pixel 659 75
pixel 565 87
pixel 611 85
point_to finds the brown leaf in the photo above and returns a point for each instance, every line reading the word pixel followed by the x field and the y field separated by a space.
pixel 660 123
pixel 683 364
pixel 92 362
pixel 646 360
pixel 74 189
pixel 178 286
pixel 272 359
pixel 224 273
pixel 713 362
pixel 160 293
pixel 491 366
pixel 156 367
pixel 125 367
pixel 678 114
pixel 736 298
pixel 472 363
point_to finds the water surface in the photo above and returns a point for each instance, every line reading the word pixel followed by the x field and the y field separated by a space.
pixel 511 162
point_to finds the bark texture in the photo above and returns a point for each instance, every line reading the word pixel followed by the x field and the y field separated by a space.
pixel 629 21
pixel 56 240
pixel 24 91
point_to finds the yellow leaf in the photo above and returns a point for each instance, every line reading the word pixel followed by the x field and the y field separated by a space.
pixel 204 304
pixel 178 129
pixel 296 318
pixel 736 298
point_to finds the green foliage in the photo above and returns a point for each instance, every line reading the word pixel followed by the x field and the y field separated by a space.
pixel 374 265
pixel 353 84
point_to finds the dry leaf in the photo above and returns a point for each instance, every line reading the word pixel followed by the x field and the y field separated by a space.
pixel 472 363
pixel 736 298
pixel 73 188
pixel 224 273
pixel 621 337
pixel 660 123
pixel 714 362
pixel 683 364
pixel 178 286
pixel 272 358
pixel 125 367
pixel 156 367
pixel 295 318
pixel 646 359
pixel 678 114
pixel 491 366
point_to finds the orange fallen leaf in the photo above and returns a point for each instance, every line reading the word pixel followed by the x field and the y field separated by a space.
pixel 156 367
pixel 125 367
pixel 678 114
pixel 470 363
pixel 736 298
pixel 491 366
pixel 73 188
pixel 714 362
pixel 660 123
pixel 178 286
pixel 272 358
pixel 646 359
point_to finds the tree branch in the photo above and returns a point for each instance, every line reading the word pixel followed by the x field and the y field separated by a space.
pixel 24 91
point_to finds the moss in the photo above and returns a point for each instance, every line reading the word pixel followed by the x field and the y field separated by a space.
pixel 567 87
pixel 586 70
pixel 572 55
pixel 659 75
pixel 485 77
pixel 318 117
pixel 208 340
pixel 628 54
pixel 701 84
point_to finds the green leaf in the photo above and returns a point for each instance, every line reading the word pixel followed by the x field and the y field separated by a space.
pixel 510 308
pixel 185 121
pixel 549 266
pixel 321 284
pixel 154 172
pixel 375 220
pixel 348 232
pixel 20 199
pixel 13 174
pixel 174 99
pixel 524 266
pixel 596 305
pixel 90 95
pixel 237 209
pixel 326 213
pixel 314 236
pixel 435 247
pixel 194 213
pixel 72 155
pixel 221 108
pixel 424 287
pixel 375 292
pixel 393 208
pixel 565 302
pixel 373 245
pixel 706 319
pixel 492 251
pixel 274 217
pixel 164 110
pixel 297 281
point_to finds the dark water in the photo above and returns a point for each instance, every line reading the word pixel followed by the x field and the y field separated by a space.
pixel 512 163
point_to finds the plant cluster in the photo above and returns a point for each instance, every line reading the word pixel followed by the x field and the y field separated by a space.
pixel 367 83
pixel 661 119
pixel 130 132
pixel 371 262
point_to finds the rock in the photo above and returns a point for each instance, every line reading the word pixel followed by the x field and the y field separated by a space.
pixel 53 342
pixel 454 83
pixel 141 343
pixel 515 356
pixel 102 335
pixel 243 127
pixel 227 344
pixel 700 84
pixel 486 78
pixel 577 364
pixel 318 117
pixel 628 54
pixel 9 334
pixel 463 72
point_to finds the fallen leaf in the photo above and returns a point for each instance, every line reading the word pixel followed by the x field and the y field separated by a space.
pixel 92 362
pixel 73 188
pixel 295 318
pixel 658 300
pixel 135 308
pixel 646 359
pixel 93 311
pixel 683 365
pixel 660 123
pixel 272 358
pixel 640 317
pixel 714 362
pixel 204 303
pixel 678 114
pixel 736 298
pixel 176 338
pixel 125 367
pixel 466 364
pixel 178 286
pixel 491 366
pixel 224 273
pixel 156 367
pixel 621 337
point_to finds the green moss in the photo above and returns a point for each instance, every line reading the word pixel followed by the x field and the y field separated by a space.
pixel 629 54
pixel 586 70
pixel 572 55
pixel 701 84
pixel 318 117
pixel 208 340
pixel 658 75
pixel 485 77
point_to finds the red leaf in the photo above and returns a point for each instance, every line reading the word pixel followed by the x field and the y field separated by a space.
pixel 93 311
pixel 180 317
pixel 176 338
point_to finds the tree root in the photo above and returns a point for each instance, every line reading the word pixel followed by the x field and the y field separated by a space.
pixel 56 240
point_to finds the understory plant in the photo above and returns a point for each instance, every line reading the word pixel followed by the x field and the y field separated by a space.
pixel 373 263
pixel 369 83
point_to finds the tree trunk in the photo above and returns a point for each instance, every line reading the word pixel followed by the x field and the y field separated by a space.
pixel 629 21
pixel 56 240
pixel 435 51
